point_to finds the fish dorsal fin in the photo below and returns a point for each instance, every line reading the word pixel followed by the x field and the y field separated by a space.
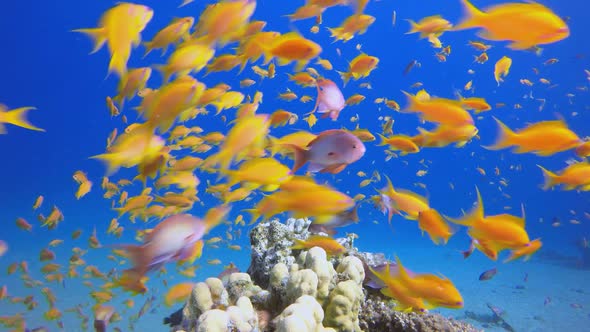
pixel 432 17
pixel 389 185
pixel 403 273
pixel 382 275
pixel 511 219
pixel 324 134
pixel 547 124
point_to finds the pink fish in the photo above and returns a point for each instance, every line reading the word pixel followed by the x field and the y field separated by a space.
pixel 173 239
pixel 330 152
pixel 330 100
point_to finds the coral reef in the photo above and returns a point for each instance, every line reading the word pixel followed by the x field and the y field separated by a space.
pixel 299 290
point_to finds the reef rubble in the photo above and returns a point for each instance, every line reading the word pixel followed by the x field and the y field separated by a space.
pixel 287 290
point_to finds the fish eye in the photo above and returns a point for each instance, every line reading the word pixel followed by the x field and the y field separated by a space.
pixel 330 153
pixel 354 146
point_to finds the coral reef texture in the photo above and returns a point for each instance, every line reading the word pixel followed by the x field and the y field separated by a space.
pixel 289 290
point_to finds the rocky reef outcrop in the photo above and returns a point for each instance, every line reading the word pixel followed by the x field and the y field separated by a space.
pixel 289 290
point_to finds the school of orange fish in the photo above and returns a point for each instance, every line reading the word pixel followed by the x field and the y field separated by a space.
pixel 169 149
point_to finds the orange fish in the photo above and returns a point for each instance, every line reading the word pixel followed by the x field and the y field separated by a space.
pixel 439 110
pixel 293 47
pixel 331 246
pixel 120 27
pixel 169 35
pixel 361 66
pixel 542 138
pixel 527 250
pixel 178 293
pixel 433 25
pixel 436 291
pixel 431 222
pixel 493 234
pixel 526 25
pixel 574 176
pixel 392 287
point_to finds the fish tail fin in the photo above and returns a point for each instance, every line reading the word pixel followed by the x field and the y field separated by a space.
pixel 414 27
pixel 354 214
pixel 110 160
pixel 412 102
pixel 505 137
pixel 18 117
pixel 98 35
pixel 550 178
pixel 345 76
pixel 301 156
pixel 383 140
pixel 335 32
pixel 298 244
pixel 471 17
pixel 118 63
pixel 137 255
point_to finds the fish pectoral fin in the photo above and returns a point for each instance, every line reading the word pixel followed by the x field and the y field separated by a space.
pixel 334 169
pixel 488 248
pixel 315 167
